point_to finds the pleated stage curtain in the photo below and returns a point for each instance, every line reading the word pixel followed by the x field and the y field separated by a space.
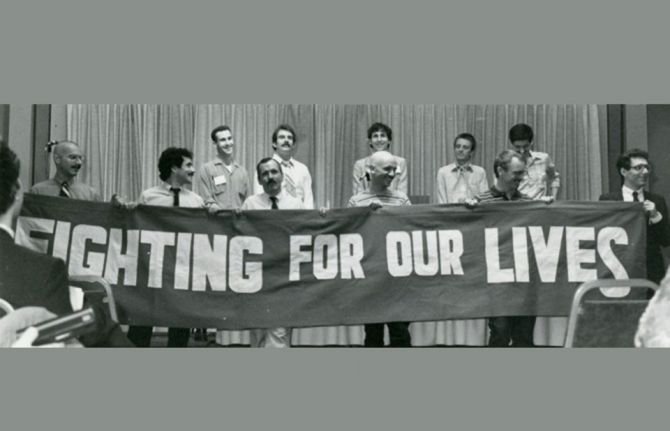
pixel 122 144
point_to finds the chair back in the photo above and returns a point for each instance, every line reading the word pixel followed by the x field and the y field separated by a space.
pixel 597 320
pixel 5 307
pixel 96 291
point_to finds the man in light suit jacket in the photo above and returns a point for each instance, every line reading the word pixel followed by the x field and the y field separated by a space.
pixel 633 166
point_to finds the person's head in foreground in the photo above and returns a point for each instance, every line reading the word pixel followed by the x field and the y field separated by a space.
pixel 654 327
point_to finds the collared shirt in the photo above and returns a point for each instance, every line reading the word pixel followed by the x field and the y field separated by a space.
pixel 219 185
pixel 495 195
pixel 7 229
pixel 262 201
pixel 389 197
pixel 455 184
pixel 627 194
pixel 361 183
pixel 297 181
pixel 162 196
pixel 80 191
pixel 541 173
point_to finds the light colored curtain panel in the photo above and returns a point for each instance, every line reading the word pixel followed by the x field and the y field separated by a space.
pixel 122 143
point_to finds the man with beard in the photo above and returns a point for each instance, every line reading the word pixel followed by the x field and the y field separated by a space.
pixel 274 197
pixel 68 158
pixel 176 170
pixel 633 166
pixel 382 168
pixel 297 181
pixel 510 170
pixel 380 137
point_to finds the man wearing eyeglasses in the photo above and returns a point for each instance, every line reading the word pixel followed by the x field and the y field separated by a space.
pixel 633 166
pixel 69 159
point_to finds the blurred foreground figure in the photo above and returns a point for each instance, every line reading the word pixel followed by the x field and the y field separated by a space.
pixel 23 318
pixel 654 327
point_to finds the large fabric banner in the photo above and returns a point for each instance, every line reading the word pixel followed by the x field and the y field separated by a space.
pixel 186 268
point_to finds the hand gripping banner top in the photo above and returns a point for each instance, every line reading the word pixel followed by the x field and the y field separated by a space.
pixel 183 267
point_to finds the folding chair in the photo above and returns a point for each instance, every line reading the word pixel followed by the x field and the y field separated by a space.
pixel 5 307
pixel 597 320
pixel 96 291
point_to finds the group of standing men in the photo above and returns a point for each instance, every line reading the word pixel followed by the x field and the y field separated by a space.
pixel 282 182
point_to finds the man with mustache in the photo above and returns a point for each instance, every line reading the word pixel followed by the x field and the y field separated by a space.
pixel 176 170
pixel 297 180
pixel 380 137
pixel 510 170
pixel 382 168
pixel 273 197
pixel 633 166
pixel 68 158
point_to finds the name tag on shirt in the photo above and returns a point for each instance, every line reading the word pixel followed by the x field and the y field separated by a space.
pixel 221 179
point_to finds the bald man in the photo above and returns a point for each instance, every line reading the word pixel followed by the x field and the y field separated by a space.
pixel 382 168
pixel 69 159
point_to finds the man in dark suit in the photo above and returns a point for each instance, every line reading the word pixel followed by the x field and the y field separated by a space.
pixel 633 166
pixel 26 277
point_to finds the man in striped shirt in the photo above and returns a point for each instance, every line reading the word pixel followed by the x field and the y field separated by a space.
pixel 382 167
pixel 510 170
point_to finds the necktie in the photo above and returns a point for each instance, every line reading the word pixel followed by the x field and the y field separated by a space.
pixel 636 197
pixel 64 190
pixel 274 202
pixel 175 192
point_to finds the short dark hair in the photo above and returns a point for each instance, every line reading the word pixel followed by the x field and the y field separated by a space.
pixel 376 127
pixel 10 167
pixel 262 162
pixel 624 159
pixel 504 159
pixel 218 129
pixel 172 157
pixel 467 137
pixel 521 132
pixel 284 127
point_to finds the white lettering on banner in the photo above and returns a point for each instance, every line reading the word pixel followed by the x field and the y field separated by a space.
pixel 330 255
pixel 61 240
pixel 158 241
pixel 495 274
pixel 209 263
pixel 81 261
pixel 223 262
pixel 182 268
pixel 605 237
pixel 576 256
pixel 26 225
pixel 547 254
pixel 399 253
pixel 422 266
pixel 117 260
pixel 407 254
pixel 451 250
pixel 351 254
pixel 245 278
